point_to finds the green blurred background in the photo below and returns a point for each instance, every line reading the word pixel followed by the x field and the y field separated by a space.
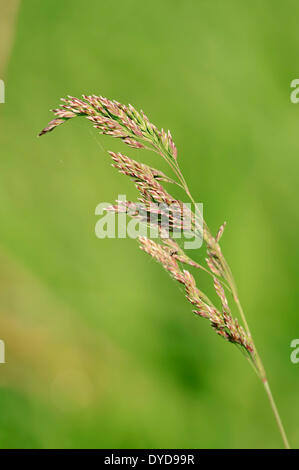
pixel 102 349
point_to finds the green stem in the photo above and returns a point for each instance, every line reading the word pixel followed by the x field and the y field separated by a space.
pixel 276 414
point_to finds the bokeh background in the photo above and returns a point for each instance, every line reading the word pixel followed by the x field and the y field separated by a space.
pixel 102 349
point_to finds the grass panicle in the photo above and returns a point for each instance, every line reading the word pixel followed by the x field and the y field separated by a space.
pixel 135 130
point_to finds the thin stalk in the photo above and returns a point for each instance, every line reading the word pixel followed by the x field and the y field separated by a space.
pixel 277 417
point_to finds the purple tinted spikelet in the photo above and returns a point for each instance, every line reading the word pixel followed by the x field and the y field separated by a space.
pixel 213 267
pixel 178 253
pixel 221 322
pixel 235 331
pixel 118 120
pixel 165 259
pixel 220 232
pixel 137 171
pixel 51 125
